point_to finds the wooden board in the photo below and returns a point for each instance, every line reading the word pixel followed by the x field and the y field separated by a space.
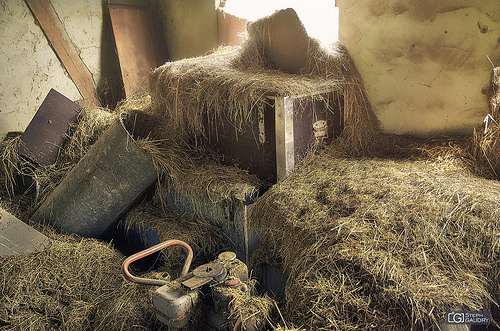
pixel 47 130
pixel 231 29
pixel 140 42
pixel 64 48
pixel 17 237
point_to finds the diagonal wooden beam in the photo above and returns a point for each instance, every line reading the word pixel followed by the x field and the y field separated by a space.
pixel 64 48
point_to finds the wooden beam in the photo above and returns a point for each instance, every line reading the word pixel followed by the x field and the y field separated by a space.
pixel 230 28
pixel 64 48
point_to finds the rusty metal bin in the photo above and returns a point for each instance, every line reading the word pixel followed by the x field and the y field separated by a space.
pixel 101 187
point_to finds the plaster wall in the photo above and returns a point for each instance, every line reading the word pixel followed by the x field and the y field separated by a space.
pixel 29 67
pixel 190 27
pixel 424 63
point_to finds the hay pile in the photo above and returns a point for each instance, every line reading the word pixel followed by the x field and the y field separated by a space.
pixel 486 145
pixel 247 309
pixel 74 284
pixel 381 244
pixel 198 94
pixel 367 243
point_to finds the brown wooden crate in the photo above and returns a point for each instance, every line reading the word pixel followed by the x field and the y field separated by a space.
pixel 272 146
pixel 246 149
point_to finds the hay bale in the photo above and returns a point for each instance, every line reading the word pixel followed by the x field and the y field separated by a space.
pixel 73 284
pixel 486 144
pixel 382 244
pixel 197 94
pixel 284 39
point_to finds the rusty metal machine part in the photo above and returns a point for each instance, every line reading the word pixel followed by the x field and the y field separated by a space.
pixel 175 301
pixel 210 273
pixel 235 267
pixel 320 129
pixel 173 304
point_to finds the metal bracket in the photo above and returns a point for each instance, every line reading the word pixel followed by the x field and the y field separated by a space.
pixel 285 153
pixel 212 272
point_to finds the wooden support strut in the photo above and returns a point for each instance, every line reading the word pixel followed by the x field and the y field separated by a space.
pixel 64 48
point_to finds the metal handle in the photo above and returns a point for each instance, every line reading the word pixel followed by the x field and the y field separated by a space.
pixel 158 282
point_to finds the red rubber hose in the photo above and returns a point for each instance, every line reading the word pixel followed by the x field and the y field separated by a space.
pixel 158 282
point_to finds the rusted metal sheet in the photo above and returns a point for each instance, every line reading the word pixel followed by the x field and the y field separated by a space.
pixel 140 41
pixel 17 237
pixel 47 130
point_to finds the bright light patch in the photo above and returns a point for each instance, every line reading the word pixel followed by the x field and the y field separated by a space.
pixel 320 17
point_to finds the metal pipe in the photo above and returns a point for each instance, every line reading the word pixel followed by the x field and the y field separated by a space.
pixel 158 282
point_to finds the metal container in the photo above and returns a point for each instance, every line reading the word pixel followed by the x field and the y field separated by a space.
pixel 101 187
pixel 174 304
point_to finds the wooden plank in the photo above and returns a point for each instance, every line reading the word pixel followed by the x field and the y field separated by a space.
pixel 64 48
pixel 140 42
pixel 231 29
pixel 126 3
pixel 17 237
pixel 47 130
pixel 273 145
pixel 253 147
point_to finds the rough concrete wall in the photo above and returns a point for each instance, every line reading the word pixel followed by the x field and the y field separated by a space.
pixel 190 27
pixel 424 63
pixel 30 67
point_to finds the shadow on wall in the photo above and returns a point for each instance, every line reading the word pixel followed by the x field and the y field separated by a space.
pixel 110 85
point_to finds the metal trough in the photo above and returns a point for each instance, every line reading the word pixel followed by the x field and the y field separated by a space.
pixel 101 187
